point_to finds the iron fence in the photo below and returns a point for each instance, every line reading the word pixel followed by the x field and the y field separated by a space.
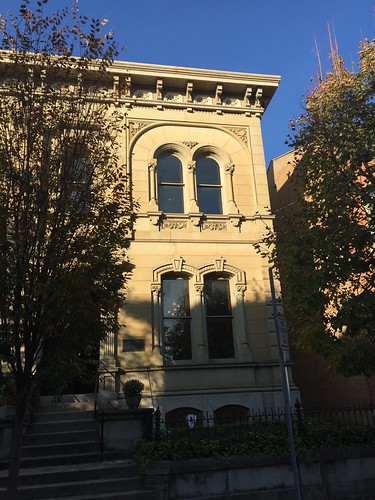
pixel 232 424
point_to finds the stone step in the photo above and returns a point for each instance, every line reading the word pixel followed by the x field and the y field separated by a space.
pixel 131 495
pixel 62 426
pixel 60 449
pixel 56 460
pixel 80 488
pixel 62 415
pixel 61 437
pixel 70 473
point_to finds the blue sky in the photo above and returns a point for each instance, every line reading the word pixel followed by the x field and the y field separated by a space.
pixel 254 36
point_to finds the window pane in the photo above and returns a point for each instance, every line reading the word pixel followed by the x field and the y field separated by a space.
pixel 217 298
pixel 175 298
pixel 169 169
pixel 171 199
pixel 177 339
pixel 220 338
pixel 209 200
pixel 207 171
pixel 176 312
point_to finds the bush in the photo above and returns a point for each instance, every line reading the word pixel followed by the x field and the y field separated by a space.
pixel 258 439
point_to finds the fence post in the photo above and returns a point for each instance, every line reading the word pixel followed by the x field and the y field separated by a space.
pixel 298 408
pixel 157 418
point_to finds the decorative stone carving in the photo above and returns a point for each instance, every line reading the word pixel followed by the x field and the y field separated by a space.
pixel 241 289
pixel 173 97
pixel 235 219
pixel 177 264
pixel 189 92
pixel 247 96
pixel 219 264
pixel 219 91
pixel 241 133
pixel 155 289
pixel 203 99
pixel 190 144
pixel 232 101
pixel 195 217
pixel 159 89
pixel 143 94
pixel 258 98
pixel 229 168
pixel 155 217
pixel 135 127
pixel 174 225
pixel 214 226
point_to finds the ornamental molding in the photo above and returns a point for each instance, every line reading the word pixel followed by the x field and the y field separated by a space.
pixel 220 265
pixel 240 132
pixel 174 225
pixel 230 101
pixel 190 144
pixel 173 97
pixel 156 289
pixel 214 226
pixel 135 127
pixel 202 99
pixel 143 94
pixel 176 265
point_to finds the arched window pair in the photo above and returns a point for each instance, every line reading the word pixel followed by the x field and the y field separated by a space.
pixel 178 314
pixel 207 187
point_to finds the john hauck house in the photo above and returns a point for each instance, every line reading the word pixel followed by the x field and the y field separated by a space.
pixel 197 325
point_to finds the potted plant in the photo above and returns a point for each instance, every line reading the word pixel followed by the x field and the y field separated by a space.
pixel 133 389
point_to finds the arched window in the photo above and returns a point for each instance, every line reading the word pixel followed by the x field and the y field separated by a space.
pixel 176 318
pixel 170 184
pixel 184 418
pixel 219 317
pixel 231 414
pixel 208 185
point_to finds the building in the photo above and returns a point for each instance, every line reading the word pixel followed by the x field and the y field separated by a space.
pixel 197 323
pixel 319 385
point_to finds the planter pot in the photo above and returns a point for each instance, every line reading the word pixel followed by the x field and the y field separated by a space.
pixel 133 401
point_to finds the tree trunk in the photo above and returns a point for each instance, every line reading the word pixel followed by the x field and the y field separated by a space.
pixel 15 451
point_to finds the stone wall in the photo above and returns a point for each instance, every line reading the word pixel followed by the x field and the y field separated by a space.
pixel 334 475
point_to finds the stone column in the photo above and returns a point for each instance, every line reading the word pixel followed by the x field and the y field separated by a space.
pixel 156 326
pixel 152 169
pixel 240 330
pixel 229 169
pixel 192 188
pixel 200 326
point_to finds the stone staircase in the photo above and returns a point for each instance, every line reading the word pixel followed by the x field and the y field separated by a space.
pixel 61 458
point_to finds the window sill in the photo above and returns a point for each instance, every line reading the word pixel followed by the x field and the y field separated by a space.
pixel 198 219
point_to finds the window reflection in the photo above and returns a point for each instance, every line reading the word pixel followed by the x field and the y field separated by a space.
pixel 208 186
pixel 170 184
pixel 218 318
pixel 176 319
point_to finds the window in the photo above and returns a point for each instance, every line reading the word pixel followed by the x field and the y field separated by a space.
pixel 184 417
pixel 170 184
pixel 176 319
pixel 208 186
pixel 219 319
pixel 231 414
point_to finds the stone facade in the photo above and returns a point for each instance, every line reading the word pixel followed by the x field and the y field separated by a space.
pixel 183 117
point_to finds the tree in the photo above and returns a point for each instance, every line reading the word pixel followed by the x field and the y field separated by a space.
pixel 64 202
pixel 324 242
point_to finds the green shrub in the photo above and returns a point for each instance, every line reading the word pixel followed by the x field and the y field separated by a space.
pixel 257 439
